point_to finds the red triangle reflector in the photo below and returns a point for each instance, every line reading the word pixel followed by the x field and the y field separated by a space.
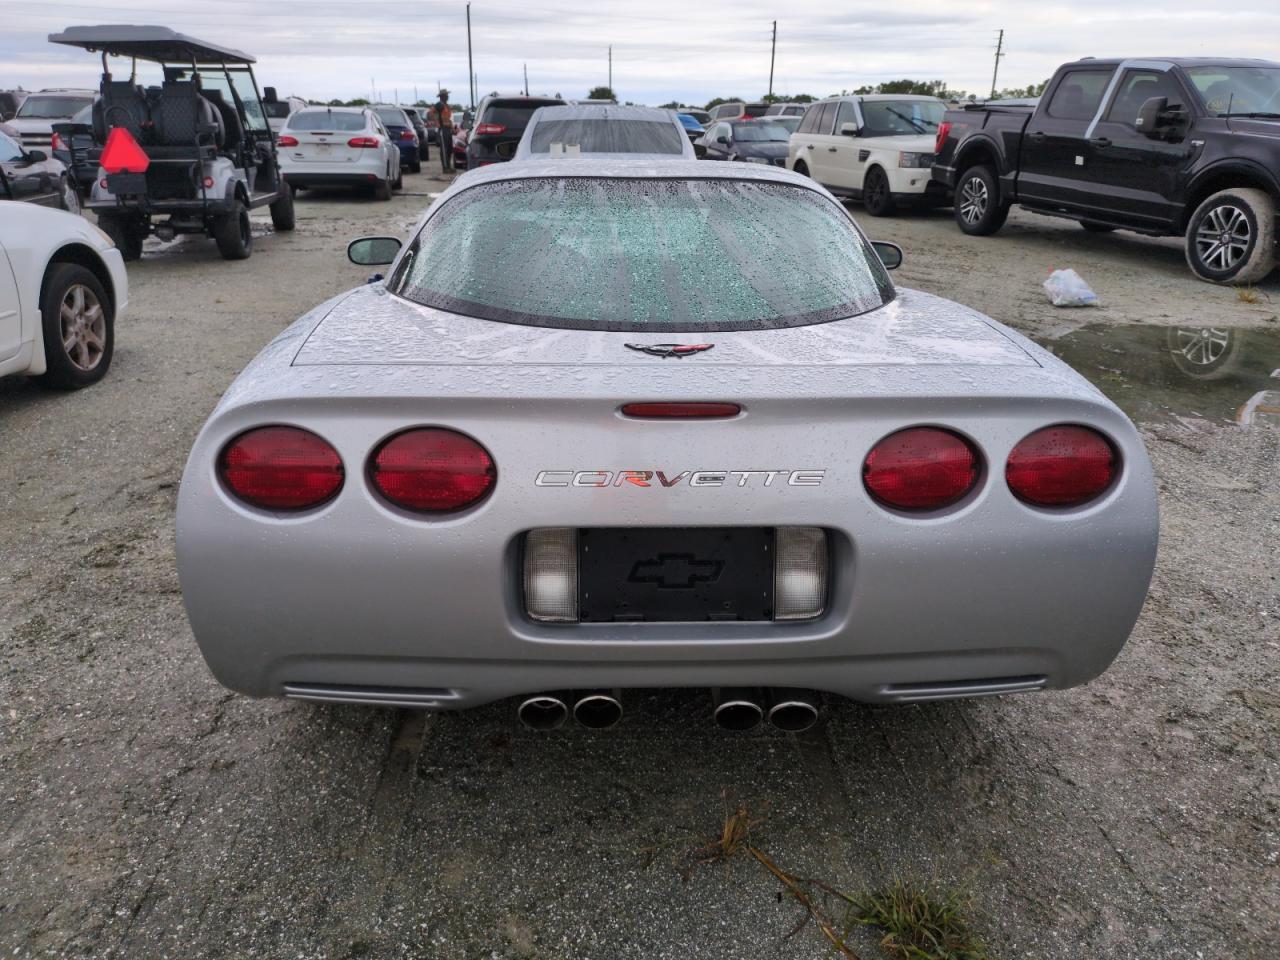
pixel 122 153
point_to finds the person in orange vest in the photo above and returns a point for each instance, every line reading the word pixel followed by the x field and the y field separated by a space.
pixel 444 118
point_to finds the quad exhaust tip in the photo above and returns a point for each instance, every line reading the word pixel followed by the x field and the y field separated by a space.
pixel 595 710
pixel 793 711
pixel 598 710
pixel 543 712
pixel 737 709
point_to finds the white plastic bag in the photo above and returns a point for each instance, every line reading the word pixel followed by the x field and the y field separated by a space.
pixel 1066 288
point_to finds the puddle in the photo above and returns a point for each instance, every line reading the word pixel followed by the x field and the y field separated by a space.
pixel 1155 373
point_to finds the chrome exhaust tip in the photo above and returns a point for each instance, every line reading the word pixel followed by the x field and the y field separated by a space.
pixel 543 712
pixel 793 711
pixel 737 709
pixel 598 710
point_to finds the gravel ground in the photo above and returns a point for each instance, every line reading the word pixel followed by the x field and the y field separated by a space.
pixel 149 813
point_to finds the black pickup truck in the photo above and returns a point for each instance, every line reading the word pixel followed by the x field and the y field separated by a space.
pixel 1165 147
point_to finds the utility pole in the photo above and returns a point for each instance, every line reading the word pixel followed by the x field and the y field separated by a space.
pixel 773 52
pixel 526 79
pixel 611 69
pixel 471 70
pixel 999 53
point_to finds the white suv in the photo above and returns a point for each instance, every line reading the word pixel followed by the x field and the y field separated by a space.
pixel 876 148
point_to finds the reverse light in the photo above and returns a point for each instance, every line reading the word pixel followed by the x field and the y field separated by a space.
pixel 364 142
pixel 696 410
pixel 281 468
pixel 944 130
pixel 921 468
pixel 799 573
pixel 121 154
pixel 287 141
pixel 432 470
pixel 551 574
pixel 1063 466
pixel 490 129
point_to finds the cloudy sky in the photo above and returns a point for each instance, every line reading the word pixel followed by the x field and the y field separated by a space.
pixel 662 49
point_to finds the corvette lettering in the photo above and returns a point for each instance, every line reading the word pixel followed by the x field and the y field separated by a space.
pixel 690 478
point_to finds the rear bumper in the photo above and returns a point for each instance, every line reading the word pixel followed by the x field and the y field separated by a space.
pixel 309 179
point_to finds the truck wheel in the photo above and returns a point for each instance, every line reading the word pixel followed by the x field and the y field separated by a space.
pixel 233 233
pixel 876 197
pixel 979 211
pixel 1231 238
pixel 382 190
pixel 282 217
pixel 77 327
pixel 126 233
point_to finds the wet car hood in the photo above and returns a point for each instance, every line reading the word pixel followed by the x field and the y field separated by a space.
pixel 373 326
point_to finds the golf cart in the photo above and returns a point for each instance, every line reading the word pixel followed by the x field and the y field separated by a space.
pixel 197 148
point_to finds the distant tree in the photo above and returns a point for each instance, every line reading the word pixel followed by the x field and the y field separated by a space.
pixel 671 105
pixel 357 102
pixel 601 93
pixel 712 104
pixel 788 98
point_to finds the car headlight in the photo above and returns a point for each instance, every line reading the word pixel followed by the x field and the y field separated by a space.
pixel 915 159
pixel 755 159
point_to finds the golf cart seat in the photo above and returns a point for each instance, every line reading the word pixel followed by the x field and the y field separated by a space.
pixel 122 104
pixel 187 126
pixel 233 130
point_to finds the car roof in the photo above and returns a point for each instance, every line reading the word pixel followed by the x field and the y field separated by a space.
pixel 602 111
pixel 147 43
pixel 318 108
pixel 673 168
pixel 1174 61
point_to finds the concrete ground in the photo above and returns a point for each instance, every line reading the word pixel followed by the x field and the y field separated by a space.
pixel 150 813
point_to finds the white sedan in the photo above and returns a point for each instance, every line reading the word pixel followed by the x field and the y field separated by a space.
pixel 62 287
pixel 339 146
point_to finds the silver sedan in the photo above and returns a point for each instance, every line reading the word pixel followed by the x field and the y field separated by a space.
pixel 609 425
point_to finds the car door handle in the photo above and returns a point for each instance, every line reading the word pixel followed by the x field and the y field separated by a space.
pixel 809 147
pixel 1036 135
pixel 831 149
pixel 1101 142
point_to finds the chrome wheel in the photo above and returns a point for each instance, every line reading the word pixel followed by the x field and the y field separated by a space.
pixel 974 199
pixel 84 327
pixel 1201 347
pixel 1223 238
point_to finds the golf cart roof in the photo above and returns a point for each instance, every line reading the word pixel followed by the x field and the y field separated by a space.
pixel 147 43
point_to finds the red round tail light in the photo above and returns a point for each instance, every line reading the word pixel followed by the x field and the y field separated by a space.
pixel 921 468
pixel 1062 466
pixel 281 468
pixel 430 470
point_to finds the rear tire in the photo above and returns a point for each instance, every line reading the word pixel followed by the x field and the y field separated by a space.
pixel 398 182
pixel 382 190
pixel 282 215
pixel 876 196
pixel 979 210
pixel 1247 219
pixel 415 165
pixel 1093 226
pixel 78 327
pixel 127 233
pixel 233 233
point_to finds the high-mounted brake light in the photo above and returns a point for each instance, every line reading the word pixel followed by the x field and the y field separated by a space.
pixel 944 128
pixel 287 141
pixel 281 468
pixel 431 470
pixel 490 129
pixel 921 468
pixel 121 154
pixel 364 142
pixel 689 411
pixel 1063 466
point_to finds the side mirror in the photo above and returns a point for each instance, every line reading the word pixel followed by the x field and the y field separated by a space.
pixel 36 156
pixel 890 254
pixel 1148 120
pixel 269 95
pixel 373 251
pixel 722 139
pixel 848 129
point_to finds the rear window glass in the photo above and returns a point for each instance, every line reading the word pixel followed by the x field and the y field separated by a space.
pixel 1078 95
pixel 756 109
pixel 514 114
pixel 276 110
pixel 392 118
pixel 607 136
pixel 325 120
pixel 652 255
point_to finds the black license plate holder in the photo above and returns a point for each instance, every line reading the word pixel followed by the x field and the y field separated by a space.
pixel 675 574
pixel 127 184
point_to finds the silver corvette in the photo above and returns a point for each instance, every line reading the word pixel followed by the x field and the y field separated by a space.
pixel 609 425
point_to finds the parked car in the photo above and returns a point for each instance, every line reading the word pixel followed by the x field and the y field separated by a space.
pixel 74 145
pixel 603 131
pixel 737 110
pixel 10 101
pixel 62 290
pixel 876 148
pixel 35 118
pixel 32 176
pixel 692 128
pixel 403 135
pixel 1184 147
pixel 196 151
pixel 500 123
pixel 460 139
pixel 702 116
pixel 789 123
pixel 753 141
pixel 340 146
pixel 277 109
pixel 417 117
pixel 756 433
pixel 786 110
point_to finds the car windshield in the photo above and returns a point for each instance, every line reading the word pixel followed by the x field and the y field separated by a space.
pixel 514 114
pixel 607 136
pixel 1238 90
pixel 50 108
pixel 896 118
pixel 392 118
pixel 306 120
pixel 649 255
pixel 9 149
pixel 760 132
pixel 790 124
